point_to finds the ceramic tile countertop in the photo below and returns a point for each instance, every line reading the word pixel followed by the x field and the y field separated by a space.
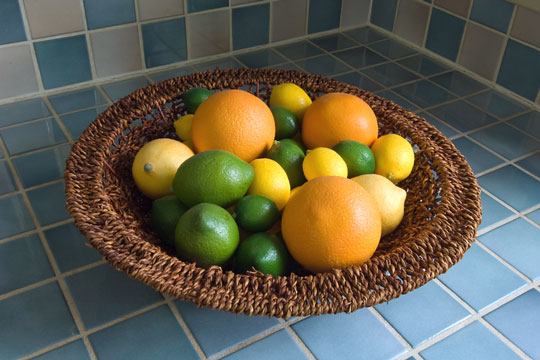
pixel 60 300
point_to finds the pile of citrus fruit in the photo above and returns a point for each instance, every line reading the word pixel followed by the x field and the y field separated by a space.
pixel 256 186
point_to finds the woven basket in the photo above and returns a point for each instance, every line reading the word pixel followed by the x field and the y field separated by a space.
pixel 442 210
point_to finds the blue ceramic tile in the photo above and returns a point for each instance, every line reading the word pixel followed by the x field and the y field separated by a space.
pixel 442 127
pixel 492 211
pixel 276 346
pixel 255 18
pixel 23 262
pixel 423 313
pixel 344 336
pixel 23 111
pixel 285 66
pixel 168 74
pixel 529 122
pixel 493 13
pixel 392 49
pixel 218 330
pixel 334 42
pixel 423 65
pixel 323 15
pixel 200 5
pixel 392 96
pixel 534 216
pixel 358 80
pixel 474 341
pixel 507 141
pixel 164 42
pixel 103 294
pixel 12 29
pixel 49 203
pixel 444 34
pixel 478 158
pixel 383 13
pixel 7 183
pixel 77 122
pixel 152 335
pixel 261 58
pixel 365 35
pixel 43 166
pixel 73 350
pixel 462 116
pixel 226 63
pixel 360 57
pixel 458 83
pixel 390 74
pixel 30 327
pixel 519 321
pixel 299 50
pixel 531 164
pixel 518 242
pixel 480 279
pixel 123 88
pixel 70 248
pixel 32 136
pixel 323 65
pixel 497 104
pixel 14 216
pixel 519 70
pixel 63 61
pixel 521 197
pixel 103 13
pixel 76 100
pixel 424 93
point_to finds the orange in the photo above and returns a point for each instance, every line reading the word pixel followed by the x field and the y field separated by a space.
pixel 331 222
pixel 235 121
pixel 338 116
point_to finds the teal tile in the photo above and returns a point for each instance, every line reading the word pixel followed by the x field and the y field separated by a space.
pixel 323 65
pixel 22 111
pixel 200 5
pixel 519 70
pixel 534 216
pixel 63 61
pixel 164 42
pixel 168 74
pixel 392 49
pixel 12 29
pixel 497 104
pixel 76 100
pixel 250 26
pixel 492 211
pixel 279 345
pixel 225 63
pixel 119 89
pixel 529 122
pixel 299 50
pixel 356 79
pixel 423 65
pixel 42 166
pixel 49 203
pixel 261 58
pixel 424 93
pixel 383 13
pixel 14 216
pixel 73 350
pixel 334 42
pixel 77 122
pixel 323 15
pixel 507 141
pixel 494 13
pixel 7 183
pixel 462 115
pixel 285 66
pixel 32 136
pixel 478 158
pixel 444 34
pixel 442 127
pixel 360 57
pixel 531 164
pixel 458 83
pixel 104 13
pixel 365 35
pixel 390 74
pixel 392 96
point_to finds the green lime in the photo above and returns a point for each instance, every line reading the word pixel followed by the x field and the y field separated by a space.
pixel 166 212
pixel 194 97
pixel 206 234
pixel 287 123
pixel 214 176
pixel 264 252
pixel 290 156
pixel 297 143
pixel 256 213
pixel 357 156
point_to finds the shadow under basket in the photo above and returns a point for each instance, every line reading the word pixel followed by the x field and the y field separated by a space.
pixel 442 210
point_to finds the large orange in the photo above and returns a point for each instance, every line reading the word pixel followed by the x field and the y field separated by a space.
pixel 338 116
pixel 331 222
pixel 235 121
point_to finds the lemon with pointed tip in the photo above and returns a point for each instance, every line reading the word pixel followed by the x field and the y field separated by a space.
pixel 292 97
pixel 183 127
pixel 271 181
pixel 394 157
pixel 323 161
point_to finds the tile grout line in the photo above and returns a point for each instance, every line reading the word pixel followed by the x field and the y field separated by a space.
pixel 140 35
pixel 34 231
pixel 391 329
pixel 506 37
pixel 26 25
pixel 462 40
pixel 299 342
pixel 88 41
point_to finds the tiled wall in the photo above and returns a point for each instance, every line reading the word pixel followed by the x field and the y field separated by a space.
pixel 47 44
pixel 493 38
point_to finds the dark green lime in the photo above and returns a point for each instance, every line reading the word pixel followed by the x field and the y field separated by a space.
pixel 357 156
pixel 256 213
pixel 194 97
pixel 287 123
pixel 290 156
pixel 297 143
pixel 264 252
pixel 166 212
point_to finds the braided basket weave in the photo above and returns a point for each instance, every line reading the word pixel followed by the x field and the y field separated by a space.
pixel 442 210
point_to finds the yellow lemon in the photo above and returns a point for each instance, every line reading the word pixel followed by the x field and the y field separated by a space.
pixel 271 181
pixel 394 157
pixel 292 97
pixel 183 127
pixel 155 165
pixel 390 199
pixel 323 162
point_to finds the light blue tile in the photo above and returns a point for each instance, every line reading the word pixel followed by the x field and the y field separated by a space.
pixel 250 26
pixel 276 346
pixel 23 111
pixel 423 313
pixel 423 65
pixel 49 203
pixel 344 336
pixel 23 262
pixel 73 350
pixel 323 65
pixel 356 79
pixel 76 100
pixel 507 141
pixel 444 34
pixel 517 242
pixel 480 279
pixel 390 74
pixel 63 61
pixel 32 136
pixel 392 96
pixel 360 57
pixel 462 116
pixel 152 335
pixel 12 29
pixel 43 166
pixel 519 70
pixel 70 248
pixel 218 330
pixel 424 93
pixel 334 42
pixel 299 50
pixel 479 159
pixel 442 127
pixel 529 122
pixel 534 216
pixel 323 15
pixel 77 122
pixel 474 341
pixel 392 49
pixel 103 294
pixel 225 63
pixel 493 13
pixel 521 197
pixel 167 74
pixel 365 35
pixel 14 216
pixel 103 13
pixel 458 83
pixel 519 321
pixel 200 5
pixel 30 327
pixel 383 13
pixel 123 88
pixel 7 183
pixel 531 164
pixel 261 58
pixel 497 104
pixel 164 42
pixel 492 211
